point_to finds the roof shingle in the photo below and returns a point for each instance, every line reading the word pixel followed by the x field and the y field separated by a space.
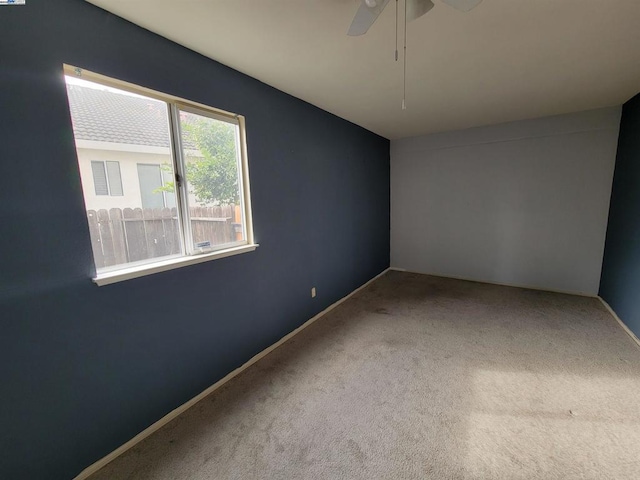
pixel 106 116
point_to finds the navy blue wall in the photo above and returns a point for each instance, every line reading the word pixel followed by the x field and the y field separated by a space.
pixel 85 368
pixel 620 281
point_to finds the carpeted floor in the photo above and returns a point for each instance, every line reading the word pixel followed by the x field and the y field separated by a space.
pixel 418 377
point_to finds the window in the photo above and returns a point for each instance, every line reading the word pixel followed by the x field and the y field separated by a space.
pixel 154 180
pixel 106 178
pixel 165 180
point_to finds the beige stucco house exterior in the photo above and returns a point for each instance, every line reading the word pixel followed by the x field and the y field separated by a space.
pixel 123 165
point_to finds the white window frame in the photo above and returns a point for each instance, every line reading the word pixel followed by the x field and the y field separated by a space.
pixel 190 256
pixel 107 179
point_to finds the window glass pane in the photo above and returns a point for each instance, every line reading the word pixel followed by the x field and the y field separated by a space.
pixel 99 178
pixel 115 180
pixel 123 144
pixel 213 180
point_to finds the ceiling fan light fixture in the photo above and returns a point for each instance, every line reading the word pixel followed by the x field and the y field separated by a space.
pixel 417 8
pixel 463 5
pixel 366 15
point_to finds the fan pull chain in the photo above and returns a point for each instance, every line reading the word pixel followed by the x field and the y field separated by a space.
pixel 404 72
pixel 396 30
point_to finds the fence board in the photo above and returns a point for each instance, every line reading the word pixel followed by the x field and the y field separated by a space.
pixel 153 233
pixel 94 233
pixel 106 237
pixel 135 235
pixel 170 227
pixel 119 243
pixel 157 230
pixel 197 228
pixel 130 235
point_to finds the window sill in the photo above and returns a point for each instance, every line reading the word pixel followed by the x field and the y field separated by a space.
pixel 164 265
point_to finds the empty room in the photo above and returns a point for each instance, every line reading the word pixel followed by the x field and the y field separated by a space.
pixel 301 239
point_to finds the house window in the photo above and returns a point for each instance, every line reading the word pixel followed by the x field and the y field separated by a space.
pixel 106 178
pixel 184 167
pixel 154 186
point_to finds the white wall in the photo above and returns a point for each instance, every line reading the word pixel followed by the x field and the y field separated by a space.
pixel 128 171
pixel 129 156
pixel 522 203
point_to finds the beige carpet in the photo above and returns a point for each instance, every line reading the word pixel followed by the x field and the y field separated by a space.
pixel 418 377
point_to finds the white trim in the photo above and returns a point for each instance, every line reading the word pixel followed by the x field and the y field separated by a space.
pixel 180 172
pixel 121 147
pixel 174 106
pixel 527 287
pixel 244 172
pixel 122 274
pixel 131 148
pixel 185 107
pixel 83 74
pixel 622 324
pixel 91 469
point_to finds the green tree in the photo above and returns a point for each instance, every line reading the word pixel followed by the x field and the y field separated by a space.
pixel 213 177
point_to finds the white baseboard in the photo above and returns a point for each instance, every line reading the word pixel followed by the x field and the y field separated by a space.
pixel 622 324
pixel 91 469
pixel 527 287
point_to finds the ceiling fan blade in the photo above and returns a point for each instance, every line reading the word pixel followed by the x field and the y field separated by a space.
pixel 463 5
pixel 417 8
pixel 366 16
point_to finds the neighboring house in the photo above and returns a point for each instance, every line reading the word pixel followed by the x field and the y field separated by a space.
pixel 123 149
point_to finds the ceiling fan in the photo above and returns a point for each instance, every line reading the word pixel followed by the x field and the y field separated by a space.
pixel 370 9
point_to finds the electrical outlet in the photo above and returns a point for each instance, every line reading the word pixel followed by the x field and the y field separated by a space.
pixel 313 292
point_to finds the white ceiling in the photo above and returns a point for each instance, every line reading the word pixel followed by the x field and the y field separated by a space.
pixel 505 60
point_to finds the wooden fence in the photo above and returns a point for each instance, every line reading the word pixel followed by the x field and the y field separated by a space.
pixel 128 235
